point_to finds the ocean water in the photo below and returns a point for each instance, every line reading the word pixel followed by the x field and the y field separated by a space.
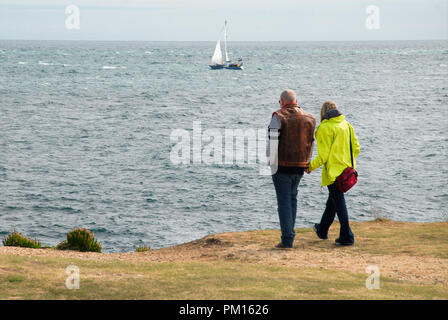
pixel 85 134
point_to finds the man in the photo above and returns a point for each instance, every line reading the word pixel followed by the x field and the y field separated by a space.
pixel 290 145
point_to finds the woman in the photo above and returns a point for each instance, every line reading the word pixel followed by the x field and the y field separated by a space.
pixel 333 147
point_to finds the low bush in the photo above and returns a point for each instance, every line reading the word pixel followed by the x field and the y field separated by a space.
pixel 80 239
pixel 142 249
pixel 16 239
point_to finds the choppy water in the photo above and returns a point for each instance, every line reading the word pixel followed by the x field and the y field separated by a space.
pixel 85 134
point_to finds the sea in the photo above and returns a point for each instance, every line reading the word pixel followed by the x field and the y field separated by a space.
pixel 100 135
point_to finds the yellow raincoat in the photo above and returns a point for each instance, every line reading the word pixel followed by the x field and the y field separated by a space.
pixel 333 148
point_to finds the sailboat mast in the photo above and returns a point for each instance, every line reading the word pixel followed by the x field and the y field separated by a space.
pixel 225 40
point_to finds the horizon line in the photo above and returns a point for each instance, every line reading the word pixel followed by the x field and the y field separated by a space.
pixel 108 40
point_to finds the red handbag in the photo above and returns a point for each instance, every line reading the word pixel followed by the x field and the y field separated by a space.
pixel 349 176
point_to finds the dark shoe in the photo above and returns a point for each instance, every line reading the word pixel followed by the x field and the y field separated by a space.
pixel 282 246
pixel 316 229
pixel 338 242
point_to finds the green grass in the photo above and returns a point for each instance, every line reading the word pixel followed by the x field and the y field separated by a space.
pixel 44 278
pixel 15 279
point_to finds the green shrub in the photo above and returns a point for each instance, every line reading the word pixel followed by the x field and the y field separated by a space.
pixel 142 249
pixel 80 239
pixel 15 279
pixel 16 239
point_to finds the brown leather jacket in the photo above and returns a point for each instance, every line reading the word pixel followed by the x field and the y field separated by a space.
pixel 296 136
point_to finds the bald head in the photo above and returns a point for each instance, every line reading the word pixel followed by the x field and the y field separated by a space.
pixel 287 97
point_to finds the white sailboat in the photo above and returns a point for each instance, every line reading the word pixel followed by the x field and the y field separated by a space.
pixel 217 62
pixel 217 58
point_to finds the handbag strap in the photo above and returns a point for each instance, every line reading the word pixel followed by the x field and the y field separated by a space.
pixel 351 150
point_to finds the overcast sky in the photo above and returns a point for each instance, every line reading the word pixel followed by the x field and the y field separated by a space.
pixel 197 20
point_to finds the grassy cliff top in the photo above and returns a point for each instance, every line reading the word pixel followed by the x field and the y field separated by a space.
pixel 412 259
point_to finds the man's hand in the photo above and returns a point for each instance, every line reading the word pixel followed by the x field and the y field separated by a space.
pixel 307 168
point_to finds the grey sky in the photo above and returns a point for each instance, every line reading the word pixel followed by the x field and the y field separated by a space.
pixel 283 20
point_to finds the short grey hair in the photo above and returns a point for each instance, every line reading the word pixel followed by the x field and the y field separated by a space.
pixel 288 96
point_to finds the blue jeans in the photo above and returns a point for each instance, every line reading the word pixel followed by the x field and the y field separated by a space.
pixel 336 205
pixel 286 186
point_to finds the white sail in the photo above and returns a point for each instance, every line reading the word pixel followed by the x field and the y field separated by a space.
pixel 217 55
pixel 225 41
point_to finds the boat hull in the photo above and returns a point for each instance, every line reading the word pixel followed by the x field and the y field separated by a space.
pixel 234 68
pixel 216 67
pixel 226 66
